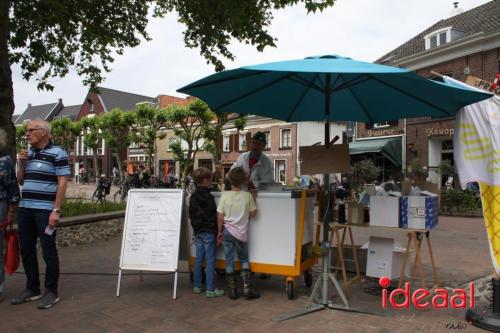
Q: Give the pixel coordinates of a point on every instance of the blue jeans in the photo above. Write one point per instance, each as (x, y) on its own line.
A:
(232, 245)
(205, 248)
(31, 225)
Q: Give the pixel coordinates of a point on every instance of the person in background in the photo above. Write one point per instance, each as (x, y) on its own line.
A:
(255, 163)
(44, 172)
(234, 211)
(9, 198)
(203, 216)
(115, 174)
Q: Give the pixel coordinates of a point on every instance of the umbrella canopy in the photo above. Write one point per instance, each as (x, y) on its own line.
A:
(330, 88)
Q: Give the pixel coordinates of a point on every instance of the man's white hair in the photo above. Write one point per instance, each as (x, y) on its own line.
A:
(43, 124)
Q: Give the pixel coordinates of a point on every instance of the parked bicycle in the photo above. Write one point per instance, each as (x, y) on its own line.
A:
(103, 189)
(116, 181)
(121, 194)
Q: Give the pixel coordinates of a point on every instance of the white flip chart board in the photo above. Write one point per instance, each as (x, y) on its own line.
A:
(151, 230)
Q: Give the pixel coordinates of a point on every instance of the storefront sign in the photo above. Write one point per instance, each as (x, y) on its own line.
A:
(439, 131)
(136, 151)
(384, 132)
(482, 84)
(278, 155)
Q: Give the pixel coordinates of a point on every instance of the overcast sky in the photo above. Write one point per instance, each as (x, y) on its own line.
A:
(360, 29)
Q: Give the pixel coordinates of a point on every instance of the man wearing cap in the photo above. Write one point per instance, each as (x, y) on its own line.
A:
(256, 164)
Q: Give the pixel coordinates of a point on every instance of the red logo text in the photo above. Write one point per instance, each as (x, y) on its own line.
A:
(422, 298)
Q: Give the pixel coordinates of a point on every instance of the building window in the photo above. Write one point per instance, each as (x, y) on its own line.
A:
(438, 38)
(390, 123)
(279, 171)
(286, 138)
(205, 163)
(268, 140)
(442, 38)
(167, 168)
(434, 42)
(225, 143)
(242, 142)
(447, 146)
(170, 141)
(381, 125)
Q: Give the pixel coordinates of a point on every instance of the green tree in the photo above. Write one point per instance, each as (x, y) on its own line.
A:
(368, 170)
(92, 138)
(416, 168)
(47, 39)
(149, 120)
(65, 131)
(115, 128)
(21, 142)
(188, 124)
(213, 131)
(446, 168)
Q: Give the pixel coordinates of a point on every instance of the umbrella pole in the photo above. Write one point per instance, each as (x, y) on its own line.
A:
(326, 220)
(326, 217)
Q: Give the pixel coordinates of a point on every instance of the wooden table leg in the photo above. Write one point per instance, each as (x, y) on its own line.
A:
(416, 245)
(337, 264)
(354, 253)
(342, 263)
(433, 264)
(405, 260)
(418, 259)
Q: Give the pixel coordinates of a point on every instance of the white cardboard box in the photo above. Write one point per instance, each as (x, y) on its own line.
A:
(419, 212)
(384, 259)
(384, 211)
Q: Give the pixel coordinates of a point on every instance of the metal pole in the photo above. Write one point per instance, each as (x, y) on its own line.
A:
(326, 181)
(119, 282)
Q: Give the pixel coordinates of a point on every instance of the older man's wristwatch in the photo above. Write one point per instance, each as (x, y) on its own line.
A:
(56, 210)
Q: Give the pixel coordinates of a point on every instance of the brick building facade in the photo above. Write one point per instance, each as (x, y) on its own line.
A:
(281, 145)
(463, 45)
(96, 104)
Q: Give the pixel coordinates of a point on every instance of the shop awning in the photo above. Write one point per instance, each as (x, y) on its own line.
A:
(389, 147)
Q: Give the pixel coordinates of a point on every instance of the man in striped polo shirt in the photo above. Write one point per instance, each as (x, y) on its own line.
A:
(44, 172)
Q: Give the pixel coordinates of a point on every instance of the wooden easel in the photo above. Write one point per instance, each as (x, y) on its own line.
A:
(340, 265)
(416, 238)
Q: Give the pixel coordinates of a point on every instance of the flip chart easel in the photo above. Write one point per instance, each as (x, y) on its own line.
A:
(151, 232)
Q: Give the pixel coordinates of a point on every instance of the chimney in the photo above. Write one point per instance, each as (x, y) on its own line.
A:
(60, 101)
(29, 105)
(456, 10)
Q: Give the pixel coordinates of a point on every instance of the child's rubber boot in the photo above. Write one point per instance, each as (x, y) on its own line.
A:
(232, 292)
(248, 290)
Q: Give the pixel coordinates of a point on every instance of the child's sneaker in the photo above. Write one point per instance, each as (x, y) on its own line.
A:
(197, 290)
(215, 293)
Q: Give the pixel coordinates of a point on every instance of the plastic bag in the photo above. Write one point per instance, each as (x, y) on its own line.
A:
(11, 259)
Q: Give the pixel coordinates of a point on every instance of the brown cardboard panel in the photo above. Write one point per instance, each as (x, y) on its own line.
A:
(319, 159)
(482, 84)
(428, 186)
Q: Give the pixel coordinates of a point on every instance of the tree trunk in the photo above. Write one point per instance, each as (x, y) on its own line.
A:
(97, 172)
(119, 163)
(6, 90)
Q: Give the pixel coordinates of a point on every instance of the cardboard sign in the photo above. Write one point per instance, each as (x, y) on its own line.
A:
(482, 84)
(319, 159)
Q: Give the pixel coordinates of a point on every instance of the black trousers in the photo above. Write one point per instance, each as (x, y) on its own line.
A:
(31, 225)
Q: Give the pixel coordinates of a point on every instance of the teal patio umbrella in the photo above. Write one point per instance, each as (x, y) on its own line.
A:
(329, 88)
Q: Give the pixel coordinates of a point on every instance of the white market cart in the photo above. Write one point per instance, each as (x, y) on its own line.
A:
(280, 239)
